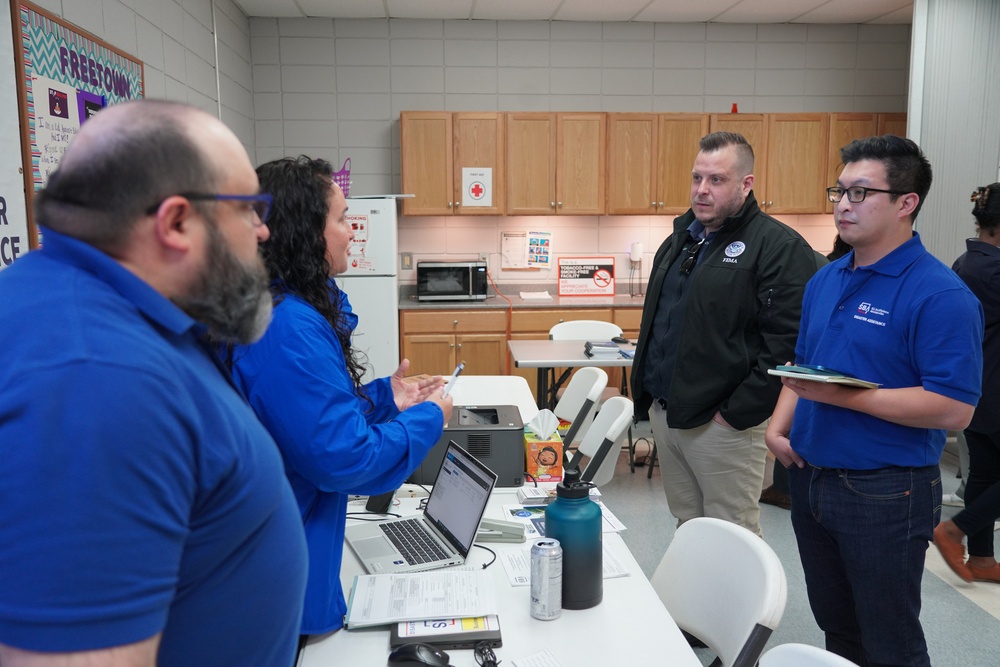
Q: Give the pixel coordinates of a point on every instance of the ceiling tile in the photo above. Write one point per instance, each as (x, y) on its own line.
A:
(599, 10)
(516, 10)
(269, 7)
(430, 9)
(343, 9)
(860, 11)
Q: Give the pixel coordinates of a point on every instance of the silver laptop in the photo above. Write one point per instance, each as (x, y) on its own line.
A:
(443, 534)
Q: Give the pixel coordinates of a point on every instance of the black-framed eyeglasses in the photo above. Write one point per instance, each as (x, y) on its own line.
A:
(260, 203)
(855, 194)
(687, 266)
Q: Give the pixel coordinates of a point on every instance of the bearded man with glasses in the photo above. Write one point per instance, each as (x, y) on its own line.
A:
(863, 463)
(722, 306)
(144, 512)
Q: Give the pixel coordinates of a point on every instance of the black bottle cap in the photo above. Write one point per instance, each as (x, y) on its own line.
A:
(571, 486)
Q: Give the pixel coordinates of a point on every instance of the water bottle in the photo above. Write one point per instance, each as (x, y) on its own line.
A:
(575, 520)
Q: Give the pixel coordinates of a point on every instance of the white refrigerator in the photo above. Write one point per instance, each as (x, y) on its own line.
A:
(370, 282)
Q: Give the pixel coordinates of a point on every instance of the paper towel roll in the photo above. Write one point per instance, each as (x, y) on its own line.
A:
(635, 254)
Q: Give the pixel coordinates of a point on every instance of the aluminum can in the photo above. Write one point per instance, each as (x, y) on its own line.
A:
(546, 579)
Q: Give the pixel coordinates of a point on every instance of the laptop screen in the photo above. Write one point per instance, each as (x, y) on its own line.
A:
(459, 497)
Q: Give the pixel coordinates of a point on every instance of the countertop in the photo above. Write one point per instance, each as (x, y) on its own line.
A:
(408, 301)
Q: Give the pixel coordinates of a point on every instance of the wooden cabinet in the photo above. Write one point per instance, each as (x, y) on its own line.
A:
(796, 163)
(649, 161)
(436, 340)
(846, 127)
(632, 163)
(435, 146)
(677, 147)
(790, 158)
(555, 163)
(891, 123)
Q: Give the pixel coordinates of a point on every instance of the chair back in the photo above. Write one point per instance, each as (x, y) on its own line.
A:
(602, 441)
(579, 400)
(724, 585)
(802, 655)
(584, 330)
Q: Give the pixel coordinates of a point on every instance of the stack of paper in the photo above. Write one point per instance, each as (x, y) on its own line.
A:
(601, 348)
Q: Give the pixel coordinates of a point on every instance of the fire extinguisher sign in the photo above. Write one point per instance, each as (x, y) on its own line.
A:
(586, 276)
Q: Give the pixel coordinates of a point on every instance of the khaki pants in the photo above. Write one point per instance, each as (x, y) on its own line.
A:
(711, 470)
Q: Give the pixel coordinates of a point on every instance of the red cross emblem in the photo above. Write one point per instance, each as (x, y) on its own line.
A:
(477, 190)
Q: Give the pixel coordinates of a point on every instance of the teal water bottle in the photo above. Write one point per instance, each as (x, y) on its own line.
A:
(575, 520)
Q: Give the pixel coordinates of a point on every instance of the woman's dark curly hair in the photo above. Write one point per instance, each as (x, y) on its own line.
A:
(986, 210)
(295, 254)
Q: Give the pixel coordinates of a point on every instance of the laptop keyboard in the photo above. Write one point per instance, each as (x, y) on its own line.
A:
(411, 538)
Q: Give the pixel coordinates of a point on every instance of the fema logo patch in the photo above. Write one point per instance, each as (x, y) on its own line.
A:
(735, 249)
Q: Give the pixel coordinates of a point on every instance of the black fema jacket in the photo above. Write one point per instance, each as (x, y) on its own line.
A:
(741, 318)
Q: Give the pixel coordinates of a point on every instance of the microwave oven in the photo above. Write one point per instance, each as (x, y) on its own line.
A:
(451, 281)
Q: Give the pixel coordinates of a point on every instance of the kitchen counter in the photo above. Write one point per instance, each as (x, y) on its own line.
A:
(408, 301)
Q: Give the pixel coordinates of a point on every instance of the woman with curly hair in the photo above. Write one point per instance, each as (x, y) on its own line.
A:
(337, 436)
(979, 267)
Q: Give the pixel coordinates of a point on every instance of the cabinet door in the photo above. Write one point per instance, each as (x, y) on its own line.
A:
(483, 354)
(425, 140)
(631, 163)
(479, 143)
(844, 128)
(531, 163)
(677, 143)
(892, 123)
(433, 354)
(581, 150)
(753, 126)
(797, 147)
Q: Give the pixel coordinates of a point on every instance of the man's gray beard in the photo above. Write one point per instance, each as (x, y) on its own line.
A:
(229, 297)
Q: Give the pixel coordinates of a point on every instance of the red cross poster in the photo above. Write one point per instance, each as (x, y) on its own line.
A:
(586, 276)
(477, 186)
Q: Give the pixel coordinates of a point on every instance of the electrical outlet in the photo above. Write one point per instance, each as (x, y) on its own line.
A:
(406, 261)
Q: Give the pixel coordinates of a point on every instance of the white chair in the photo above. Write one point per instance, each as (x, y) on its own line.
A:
(579, 402)
(724, 585)
(602, 441)
(592, 330)
(802, 655)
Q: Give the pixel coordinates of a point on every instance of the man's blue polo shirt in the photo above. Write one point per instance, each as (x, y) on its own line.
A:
(138, 492)
(905, 321)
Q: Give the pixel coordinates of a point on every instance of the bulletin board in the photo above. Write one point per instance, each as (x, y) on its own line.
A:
(64, 76)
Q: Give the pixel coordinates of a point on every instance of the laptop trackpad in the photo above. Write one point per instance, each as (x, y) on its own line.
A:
(375, 547)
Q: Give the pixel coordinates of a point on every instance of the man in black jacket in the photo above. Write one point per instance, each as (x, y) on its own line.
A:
(722, 306)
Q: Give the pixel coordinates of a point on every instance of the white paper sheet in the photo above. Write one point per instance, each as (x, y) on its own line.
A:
(379, 599)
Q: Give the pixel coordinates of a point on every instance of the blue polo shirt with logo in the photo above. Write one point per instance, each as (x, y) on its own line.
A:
(905, 321)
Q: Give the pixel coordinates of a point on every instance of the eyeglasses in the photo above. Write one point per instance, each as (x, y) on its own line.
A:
(260, 203)
(687, 266)
(855, 194)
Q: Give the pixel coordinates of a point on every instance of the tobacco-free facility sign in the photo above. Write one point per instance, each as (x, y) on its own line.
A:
(586, 276)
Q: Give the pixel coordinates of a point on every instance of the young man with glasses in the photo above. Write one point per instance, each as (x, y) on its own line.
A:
(144, 513)
(863, 463)
(722, 306)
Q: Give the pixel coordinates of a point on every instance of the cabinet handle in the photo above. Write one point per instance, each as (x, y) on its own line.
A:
(770, 203)
(552, 204)
(561, 321)
(652, 203)
(452, 345)
(460, 346)
(455, 323)
(660, 204)
(560, 204)
(449, 204)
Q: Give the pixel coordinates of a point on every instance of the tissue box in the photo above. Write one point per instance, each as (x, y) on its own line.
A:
(543, 458)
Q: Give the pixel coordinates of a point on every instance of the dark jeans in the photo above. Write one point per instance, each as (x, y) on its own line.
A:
(982, 493)
(862, 537)
(780, 479)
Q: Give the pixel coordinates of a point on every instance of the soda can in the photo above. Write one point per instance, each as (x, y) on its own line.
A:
(546, 579)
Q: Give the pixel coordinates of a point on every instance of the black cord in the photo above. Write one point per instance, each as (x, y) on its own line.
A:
(491, 551)
(485, 655)
(529, 476)
(370, 516)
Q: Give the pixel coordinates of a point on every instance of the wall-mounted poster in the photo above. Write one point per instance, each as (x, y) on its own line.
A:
(13, 216)
(65, 76)
(586, 276)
